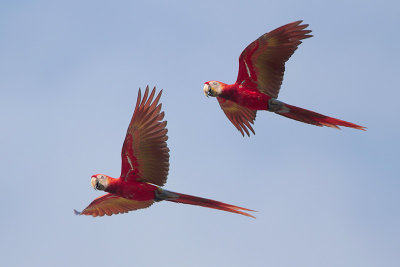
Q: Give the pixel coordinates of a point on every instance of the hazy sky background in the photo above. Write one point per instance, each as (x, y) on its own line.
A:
(69, 76)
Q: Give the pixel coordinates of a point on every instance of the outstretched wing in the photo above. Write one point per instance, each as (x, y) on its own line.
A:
(110, 204)
(262, 63)
(240, 116)
(145, 155)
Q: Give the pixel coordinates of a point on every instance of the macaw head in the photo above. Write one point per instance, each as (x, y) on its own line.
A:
(99, 181)
(212, 88)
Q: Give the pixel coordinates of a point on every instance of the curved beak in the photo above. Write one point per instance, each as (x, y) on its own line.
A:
(93, 182)
(206, 89)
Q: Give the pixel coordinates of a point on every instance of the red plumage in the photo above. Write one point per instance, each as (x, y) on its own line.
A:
(261, 70)
(145, 166)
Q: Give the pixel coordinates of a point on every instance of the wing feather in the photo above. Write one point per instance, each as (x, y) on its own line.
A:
(110, 204)
(262, 63)
(145, 154)
(241, 117)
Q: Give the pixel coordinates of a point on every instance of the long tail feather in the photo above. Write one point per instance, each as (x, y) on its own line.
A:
(314, 118)
(204, 202)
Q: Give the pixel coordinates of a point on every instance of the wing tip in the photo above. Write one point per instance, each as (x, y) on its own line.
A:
(77, 212)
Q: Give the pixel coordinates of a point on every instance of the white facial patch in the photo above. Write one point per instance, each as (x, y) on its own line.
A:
(216, 86)
(101, 180)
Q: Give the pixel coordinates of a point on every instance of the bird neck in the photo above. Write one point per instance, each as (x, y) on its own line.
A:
(114, 185)
(227, 90)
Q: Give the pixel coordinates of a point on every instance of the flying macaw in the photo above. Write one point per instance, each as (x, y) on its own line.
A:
(145, 165)
(261, 68)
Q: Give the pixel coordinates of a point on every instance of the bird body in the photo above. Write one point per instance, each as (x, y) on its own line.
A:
(244, 96)
(145, 166)
(261, 70)
(130, 189)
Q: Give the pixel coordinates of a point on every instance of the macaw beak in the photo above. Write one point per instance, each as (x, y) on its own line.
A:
(93, 182)
(206, 89)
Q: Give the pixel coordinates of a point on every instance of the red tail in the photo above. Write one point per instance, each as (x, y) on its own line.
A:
(204, 202)
(314, 118)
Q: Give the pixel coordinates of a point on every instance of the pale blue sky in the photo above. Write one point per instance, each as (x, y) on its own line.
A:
(69, 75)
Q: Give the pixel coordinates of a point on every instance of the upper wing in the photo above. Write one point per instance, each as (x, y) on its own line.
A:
(145, 155)
(238, 115)
(110, 204)
(262, 63)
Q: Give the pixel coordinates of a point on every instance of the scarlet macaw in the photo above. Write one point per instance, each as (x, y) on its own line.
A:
(261, 68)
(145, 165)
